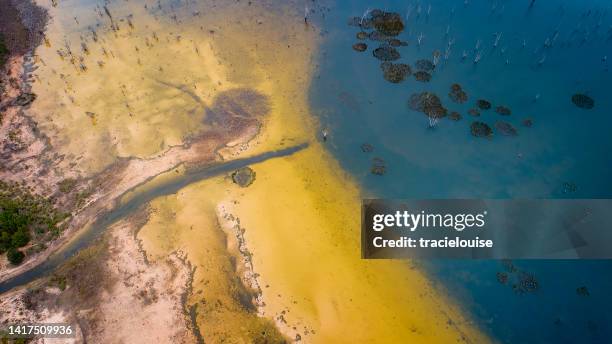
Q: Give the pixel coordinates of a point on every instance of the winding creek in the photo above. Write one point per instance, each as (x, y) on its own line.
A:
(167, 187)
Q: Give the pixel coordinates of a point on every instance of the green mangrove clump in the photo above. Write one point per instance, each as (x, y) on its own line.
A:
(25, 217)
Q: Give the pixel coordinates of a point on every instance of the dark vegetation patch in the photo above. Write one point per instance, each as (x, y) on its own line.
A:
(422, 76)
(503, 110)
(583, 101)
(24, 99)
(505, 128)
(15, 256)
(457, 94)
(502, 277)
(395, 72)
(378, 36)
(527, 283)
(360, 47)
(427, 103)
(394, 42)
(481, 129)
(237, 108)
(483, 104)
(386, 53)
(67, 185)
(25, 218)
(388, 23)
(455, 116)
(583, 291)
(569, 187)
(241, 102)
(367, 148)
(425, 65)
(244, 176)
(520, 281)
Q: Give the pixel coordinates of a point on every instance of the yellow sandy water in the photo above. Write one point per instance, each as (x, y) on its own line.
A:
(301, 215)
(124, 95)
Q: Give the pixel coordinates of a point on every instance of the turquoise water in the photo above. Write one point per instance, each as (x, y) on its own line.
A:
(544, 55)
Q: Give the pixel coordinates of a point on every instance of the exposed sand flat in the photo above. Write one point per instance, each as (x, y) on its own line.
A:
(145, 304)
(220, 301)
(112, 294)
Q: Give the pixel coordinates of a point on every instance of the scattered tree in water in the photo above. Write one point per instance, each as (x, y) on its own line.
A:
(377, 36)
(395, 72)
(583, 291)
(367, 148)
(360, 47)
(474, 112)
(483, 104)
(388, 23)
(427, 103)
(422, 76)
(527, 283)
(425, 65)
(481, 129)
(569, 187)
(502, 277)
(386, 53)
(394, 42)
(503, 110)
(454, 115)
(521, 282)
(583, 101)
(457, 94)
(505, 128)
(362, 35)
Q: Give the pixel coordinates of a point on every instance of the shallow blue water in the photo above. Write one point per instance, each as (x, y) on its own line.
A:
(565, 146)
